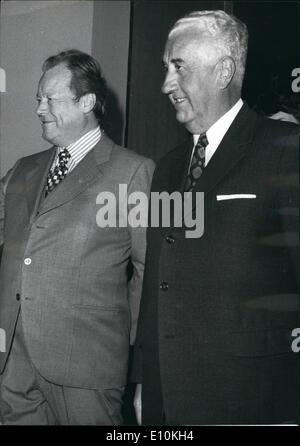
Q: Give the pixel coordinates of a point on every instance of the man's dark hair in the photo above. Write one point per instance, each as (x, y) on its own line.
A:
(86, 77)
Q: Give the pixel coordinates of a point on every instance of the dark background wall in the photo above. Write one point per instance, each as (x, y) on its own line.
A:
(110, 45)
(274, 48)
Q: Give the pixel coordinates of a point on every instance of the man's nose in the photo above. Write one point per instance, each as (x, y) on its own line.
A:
(42, 107)
(170, 83)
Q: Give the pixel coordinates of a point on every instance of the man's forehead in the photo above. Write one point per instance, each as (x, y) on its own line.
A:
(184, 44)
(56, 78)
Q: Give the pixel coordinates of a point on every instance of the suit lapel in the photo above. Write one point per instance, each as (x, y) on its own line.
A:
(179, 167)
(35, 179)
(174, 178)
(81, 176)
(235, 145)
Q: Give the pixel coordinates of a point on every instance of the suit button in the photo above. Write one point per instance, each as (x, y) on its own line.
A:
(163, 286)
(170, 239)
(27, 261)
(18, 297)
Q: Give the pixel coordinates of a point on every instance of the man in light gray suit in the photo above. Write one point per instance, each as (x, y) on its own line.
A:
(67, 308)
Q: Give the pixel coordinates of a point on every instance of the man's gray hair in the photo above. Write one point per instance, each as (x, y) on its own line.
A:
(230, 35)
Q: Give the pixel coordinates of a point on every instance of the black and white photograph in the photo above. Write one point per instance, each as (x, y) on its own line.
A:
(149, 215)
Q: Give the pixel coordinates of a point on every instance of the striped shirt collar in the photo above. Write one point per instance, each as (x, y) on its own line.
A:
(82, 146)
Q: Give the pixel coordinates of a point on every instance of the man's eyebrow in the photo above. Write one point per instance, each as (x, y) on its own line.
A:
(178, 60)
(173, 61)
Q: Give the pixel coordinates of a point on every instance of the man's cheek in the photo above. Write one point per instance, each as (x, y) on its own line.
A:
(60, 119)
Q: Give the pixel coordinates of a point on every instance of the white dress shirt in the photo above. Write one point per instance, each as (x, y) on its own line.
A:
(217, 131)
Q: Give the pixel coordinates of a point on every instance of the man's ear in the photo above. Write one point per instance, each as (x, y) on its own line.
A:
(87, 102)
(226, 68)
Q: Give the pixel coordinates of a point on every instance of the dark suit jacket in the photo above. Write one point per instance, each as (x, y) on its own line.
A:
(214, 340)
(68, 275)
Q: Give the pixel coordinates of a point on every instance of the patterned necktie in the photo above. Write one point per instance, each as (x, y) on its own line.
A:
(59, 172)
(197, 164)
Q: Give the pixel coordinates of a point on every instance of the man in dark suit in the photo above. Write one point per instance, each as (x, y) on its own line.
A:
(66, 307)
(217, 312)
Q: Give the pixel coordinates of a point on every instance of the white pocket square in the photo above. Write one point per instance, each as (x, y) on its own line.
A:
(234, 196)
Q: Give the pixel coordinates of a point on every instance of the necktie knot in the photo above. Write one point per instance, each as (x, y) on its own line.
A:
(202, 140)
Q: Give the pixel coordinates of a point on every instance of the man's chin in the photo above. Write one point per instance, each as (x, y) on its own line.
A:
(48, 137)
(181, 117)
(190, 123)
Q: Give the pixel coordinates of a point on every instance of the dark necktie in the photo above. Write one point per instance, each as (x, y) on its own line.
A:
(197, 164)
(59, 172)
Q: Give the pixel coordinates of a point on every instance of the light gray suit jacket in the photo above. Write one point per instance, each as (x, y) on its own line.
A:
(68, 275)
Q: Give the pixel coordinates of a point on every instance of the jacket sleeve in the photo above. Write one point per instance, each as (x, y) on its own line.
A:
(3, 186)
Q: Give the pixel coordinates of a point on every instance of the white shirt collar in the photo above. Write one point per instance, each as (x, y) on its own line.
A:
(217, 131)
